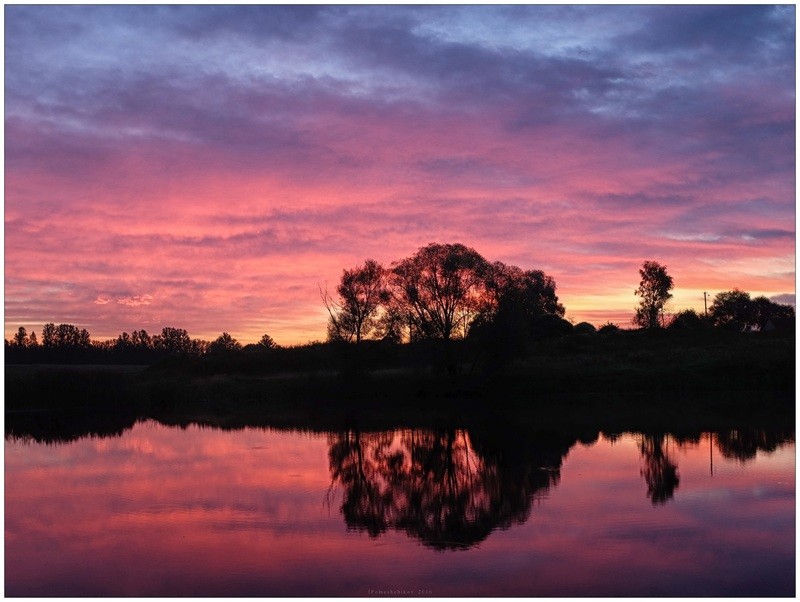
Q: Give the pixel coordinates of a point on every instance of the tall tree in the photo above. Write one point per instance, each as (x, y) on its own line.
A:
(361, 291)
(765, 310)
(21, 337)
(267, 342)
(654, 289)
(49, 335)
(441, 289)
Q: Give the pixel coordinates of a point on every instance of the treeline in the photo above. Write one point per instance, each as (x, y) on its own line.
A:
(449, 291)
(441, 294)
(734, 310)
(69, 344)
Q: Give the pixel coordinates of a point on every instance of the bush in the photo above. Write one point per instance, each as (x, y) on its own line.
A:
(585, 328)
(688, 319)
(608, 328)
(550, 326)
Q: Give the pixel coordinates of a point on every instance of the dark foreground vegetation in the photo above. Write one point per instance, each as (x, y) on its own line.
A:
(617, 378)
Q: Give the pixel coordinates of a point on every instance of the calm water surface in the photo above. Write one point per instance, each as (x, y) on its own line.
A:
(199, 511)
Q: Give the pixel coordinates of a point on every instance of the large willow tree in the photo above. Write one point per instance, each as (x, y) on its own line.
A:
(441, 289)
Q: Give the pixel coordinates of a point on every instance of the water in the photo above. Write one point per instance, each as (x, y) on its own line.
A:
(170, 511)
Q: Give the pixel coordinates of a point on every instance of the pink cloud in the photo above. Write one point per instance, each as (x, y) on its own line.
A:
(136, 300)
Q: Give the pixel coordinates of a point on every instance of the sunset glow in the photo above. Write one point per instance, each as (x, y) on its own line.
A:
(207, 167)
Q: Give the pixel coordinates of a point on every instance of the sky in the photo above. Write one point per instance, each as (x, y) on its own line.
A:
(210, 167)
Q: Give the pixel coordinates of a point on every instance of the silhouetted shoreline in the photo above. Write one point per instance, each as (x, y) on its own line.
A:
(628, 380)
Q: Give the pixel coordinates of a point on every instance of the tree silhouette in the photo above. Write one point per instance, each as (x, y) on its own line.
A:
(608, 328)
(173, 340)
(733, 309)
(529, 293)
(654, 290)
(224, 343)
(687, 319)
(49, 335)
(266, 342)
(21, 337)
(361, 291)
(201, 347)
(141, 340)
(766, 310)
(123, 341)
(518, 300)
(65, 336)
(441, 289)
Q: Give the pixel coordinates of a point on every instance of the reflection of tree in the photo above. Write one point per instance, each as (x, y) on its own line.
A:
(65, 426)
(743, 444)
(363, 504)
(438, 486)
(659, 471)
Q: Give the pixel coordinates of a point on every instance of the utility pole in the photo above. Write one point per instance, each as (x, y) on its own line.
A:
(705, 303)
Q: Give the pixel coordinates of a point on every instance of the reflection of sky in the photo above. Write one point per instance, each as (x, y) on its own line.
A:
(207, 512)
(207, 167)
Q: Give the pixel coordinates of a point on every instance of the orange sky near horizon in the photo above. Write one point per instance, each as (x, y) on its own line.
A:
(210, 167)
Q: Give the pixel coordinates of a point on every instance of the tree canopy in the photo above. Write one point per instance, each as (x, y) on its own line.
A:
(441, 289)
